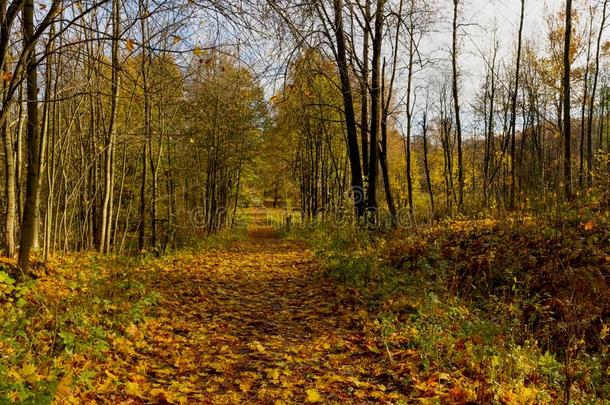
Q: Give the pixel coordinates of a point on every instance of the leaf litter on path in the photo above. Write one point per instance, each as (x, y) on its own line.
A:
(255, 322)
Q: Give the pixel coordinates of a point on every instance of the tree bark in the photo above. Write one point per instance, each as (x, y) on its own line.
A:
(348, 103)
(456, 104)
(364, 114)
(426, 164)
(567, 123)
(33, 144)
(513, 119)
(11, 199)
(106, 227)
(376, 109)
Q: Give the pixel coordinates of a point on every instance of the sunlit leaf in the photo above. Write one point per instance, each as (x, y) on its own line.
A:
(313, 396)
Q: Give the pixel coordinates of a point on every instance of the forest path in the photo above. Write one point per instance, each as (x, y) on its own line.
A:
(255, 322)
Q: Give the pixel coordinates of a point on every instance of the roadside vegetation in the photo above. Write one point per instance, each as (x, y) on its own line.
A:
(513, 311)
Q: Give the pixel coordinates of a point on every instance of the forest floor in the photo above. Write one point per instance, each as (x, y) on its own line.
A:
(251, 321)
(341, 318)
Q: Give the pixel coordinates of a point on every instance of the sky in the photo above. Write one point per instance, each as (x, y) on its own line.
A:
(476, 37)
(503, 14)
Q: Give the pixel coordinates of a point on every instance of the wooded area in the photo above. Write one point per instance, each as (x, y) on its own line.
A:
(427, 167)
(123, 130)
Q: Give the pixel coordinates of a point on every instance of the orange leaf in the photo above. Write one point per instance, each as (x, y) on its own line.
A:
(130, 45)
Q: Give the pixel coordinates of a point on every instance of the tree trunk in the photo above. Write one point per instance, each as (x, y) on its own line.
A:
(567, 129)
(383, 160)
(147, 127)
(491, 133)
(513, 119)
(426, 164)
(456, 104)
(33, 144)
(376, 109)
(592, 99)
(11, 199)
(407, 139)
(106, 227)
(10, 176)
(583, 109)
(348, 102)
(364, 114)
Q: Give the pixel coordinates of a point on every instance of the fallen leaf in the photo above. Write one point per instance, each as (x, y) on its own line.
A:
(63, 387)
(133, 389)
(312, 396)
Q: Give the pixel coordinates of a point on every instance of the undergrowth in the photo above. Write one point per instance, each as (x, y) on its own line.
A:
(59, 329)
(76, 309)
(511, 311)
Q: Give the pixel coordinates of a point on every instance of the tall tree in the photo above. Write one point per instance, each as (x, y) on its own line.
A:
(147, 118)
(376, 106)
(583, 105)
(30, 216)
(513, 119)
(411, 50)
(106, 226)
(490, 124)
(8, 143)
(424, 127)
(348, 105)
(593, 94)
(456, 102)
(388, 95)
(567, 123)
(364, 89)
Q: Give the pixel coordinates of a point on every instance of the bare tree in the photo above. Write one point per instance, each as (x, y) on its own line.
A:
(456, 102)
(596, 72)
(513, 119)
(567, 123)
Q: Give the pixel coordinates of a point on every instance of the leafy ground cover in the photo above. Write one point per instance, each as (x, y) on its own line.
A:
(511, 311)
(463, 312)
(251, 321)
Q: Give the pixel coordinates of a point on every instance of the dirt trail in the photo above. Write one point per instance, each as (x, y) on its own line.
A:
(255, 322)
